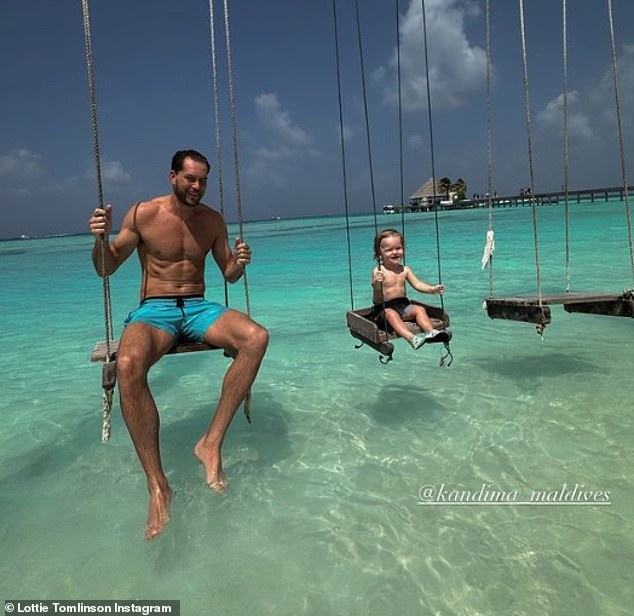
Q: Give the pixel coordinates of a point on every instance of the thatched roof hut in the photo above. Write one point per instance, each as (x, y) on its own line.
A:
(425, 196)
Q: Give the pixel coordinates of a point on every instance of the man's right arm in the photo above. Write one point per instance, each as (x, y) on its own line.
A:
(115, 253)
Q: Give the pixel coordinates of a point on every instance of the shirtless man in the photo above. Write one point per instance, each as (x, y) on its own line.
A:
(172, 235)
(389, 279)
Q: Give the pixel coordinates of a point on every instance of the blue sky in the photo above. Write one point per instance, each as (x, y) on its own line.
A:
(154, 96)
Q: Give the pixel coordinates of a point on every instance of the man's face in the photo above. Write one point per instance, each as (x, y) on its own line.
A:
(190, 183)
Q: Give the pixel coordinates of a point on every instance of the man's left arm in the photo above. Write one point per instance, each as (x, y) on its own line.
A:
(230, 264)
(240, 258)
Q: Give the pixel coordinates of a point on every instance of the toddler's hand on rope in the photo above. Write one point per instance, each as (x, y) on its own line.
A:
(101, 221)
(378, 276)
(241, 253)
(439, 289)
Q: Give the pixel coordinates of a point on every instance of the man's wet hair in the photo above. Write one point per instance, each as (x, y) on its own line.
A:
(179, 158)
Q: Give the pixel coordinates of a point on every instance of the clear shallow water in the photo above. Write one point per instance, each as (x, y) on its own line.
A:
(323, 516)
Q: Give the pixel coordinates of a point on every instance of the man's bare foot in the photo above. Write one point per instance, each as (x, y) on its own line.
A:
(210, 459)
(158, 513)
(219, 484)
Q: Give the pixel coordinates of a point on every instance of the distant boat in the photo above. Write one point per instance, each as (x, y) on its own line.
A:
(25, 237)
(390, 209)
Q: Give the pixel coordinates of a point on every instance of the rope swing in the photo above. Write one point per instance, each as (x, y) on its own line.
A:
(109, 370)
(361, 322)
(536, 309)
(236, 164)
(106, 351)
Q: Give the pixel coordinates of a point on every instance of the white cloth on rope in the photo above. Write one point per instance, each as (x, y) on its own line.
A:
(489, 249)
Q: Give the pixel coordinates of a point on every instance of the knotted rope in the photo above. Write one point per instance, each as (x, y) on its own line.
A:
(234, 139)
(109, 374)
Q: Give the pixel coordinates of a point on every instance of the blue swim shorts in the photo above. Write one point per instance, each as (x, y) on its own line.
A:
(185, 318)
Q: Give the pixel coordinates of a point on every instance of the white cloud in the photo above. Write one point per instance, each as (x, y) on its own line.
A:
(271, 154)
(456, 68)
(592, 128)
(592, 112)
(416, 141)
(113, 171)
(278, 121)
(551, 118)
(21, 166)
(603, 96)
(24, 166)
(348, 133)
(286, 142)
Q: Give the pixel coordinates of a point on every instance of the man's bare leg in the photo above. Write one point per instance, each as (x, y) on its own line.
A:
(141, 346)
(237, 331)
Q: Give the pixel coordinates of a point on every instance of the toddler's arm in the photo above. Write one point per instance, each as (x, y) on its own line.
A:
(422, 286)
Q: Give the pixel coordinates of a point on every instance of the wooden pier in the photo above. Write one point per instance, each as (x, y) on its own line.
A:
(586, 195)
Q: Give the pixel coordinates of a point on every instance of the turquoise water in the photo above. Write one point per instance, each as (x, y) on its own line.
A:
(323, 516)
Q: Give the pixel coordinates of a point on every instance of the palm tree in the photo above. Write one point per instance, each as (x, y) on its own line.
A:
(460, 189)
(444, 184)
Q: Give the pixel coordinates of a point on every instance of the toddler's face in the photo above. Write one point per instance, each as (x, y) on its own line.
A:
(391, 249)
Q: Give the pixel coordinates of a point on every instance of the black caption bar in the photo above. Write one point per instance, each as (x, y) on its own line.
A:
(132, 607)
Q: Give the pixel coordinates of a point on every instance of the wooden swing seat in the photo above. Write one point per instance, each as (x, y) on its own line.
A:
(99, 350)
(528, 309)
(368, 332)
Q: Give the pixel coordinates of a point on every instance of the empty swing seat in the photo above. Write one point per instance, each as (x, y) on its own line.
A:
(529, 310)
(363, 328)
